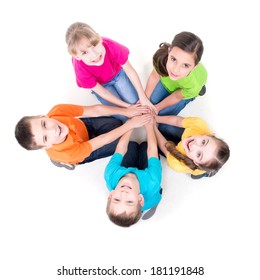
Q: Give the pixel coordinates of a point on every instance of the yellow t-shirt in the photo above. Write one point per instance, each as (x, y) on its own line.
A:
(76, 147)
(193, 126)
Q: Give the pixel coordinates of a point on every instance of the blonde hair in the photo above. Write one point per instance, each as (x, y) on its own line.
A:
(78, 31)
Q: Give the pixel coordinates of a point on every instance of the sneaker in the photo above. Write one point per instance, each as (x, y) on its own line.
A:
(202, 91)
(198, 176)
(149, 213)
(207, 174)
(211, 174)
(65, 165)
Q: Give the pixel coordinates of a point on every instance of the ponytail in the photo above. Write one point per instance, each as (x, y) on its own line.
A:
(160, 59)
(171, 148)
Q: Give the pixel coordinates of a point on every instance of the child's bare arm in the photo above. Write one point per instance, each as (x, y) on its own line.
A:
(152, 81)
(172, 99)
(112, 135)
(171, 120)
(134, 78)
(161, 140)
(152, 149)
(122, 145)
(104, 110)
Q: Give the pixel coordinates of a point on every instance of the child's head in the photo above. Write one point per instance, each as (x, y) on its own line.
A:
(39, 132)
(85, 44)
(205, 152)
(178, 59)
(124, 206)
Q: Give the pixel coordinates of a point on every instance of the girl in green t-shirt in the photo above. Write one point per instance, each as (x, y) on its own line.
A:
(178, 76)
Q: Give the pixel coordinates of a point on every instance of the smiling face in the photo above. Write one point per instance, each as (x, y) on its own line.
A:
(126, 196)
(200, 148)
(92, 55)
(179, 63)
(48, 131)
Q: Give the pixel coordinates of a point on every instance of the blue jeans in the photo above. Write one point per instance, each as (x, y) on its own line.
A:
(97, 126)
(122, 88)
(157, 96)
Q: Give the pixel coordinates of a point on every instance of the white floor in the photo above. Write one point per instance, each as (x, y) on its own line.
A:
(52, 217)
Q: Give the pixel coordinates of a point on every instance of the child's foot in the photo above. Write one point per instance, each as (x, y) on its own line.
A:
(207, 174)
(198, 176)
(149, 213)
(65, 165)
(203, 91)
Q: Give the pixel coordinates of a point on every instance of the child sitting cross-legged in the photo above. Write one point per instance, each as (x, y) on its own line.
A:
(73, 134)
(133, 176)
(192, 147)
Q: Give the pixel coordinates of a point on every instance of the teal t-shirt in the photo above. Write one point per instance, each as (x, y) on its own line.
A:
(190, 85)
(149, 179)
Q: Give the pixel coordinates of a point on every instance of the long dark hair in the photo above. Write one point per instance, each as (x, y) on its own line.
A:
(186, 41)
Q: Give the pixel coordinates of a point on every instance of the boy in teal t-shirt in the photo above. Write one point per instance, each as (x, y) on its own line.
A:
(133, 176)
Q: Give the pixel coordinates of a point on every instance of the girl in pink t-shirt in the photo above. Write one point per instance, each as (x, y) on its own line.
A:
(102, 65)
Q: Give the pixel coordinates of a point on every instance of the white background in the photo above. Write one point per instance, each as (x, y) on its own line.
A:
(52, 217)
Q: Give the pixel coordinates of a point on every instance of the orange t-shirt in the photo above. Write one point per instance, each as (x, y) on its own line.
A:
(76, 147)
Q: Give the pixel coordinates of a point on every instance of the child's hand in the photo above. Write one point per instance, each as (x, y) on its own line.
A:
(141, 120)
(147, 102)
(136, 110)
(152, 121)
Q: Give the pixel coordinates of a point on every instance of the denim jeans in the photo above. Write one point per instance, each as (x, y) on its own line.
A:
(136, 156)
(157, 96)
(122, 88)
(97, 126)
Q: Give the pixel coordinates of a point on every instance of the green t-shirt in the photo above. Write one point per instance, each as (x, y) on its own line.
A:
(190, 85)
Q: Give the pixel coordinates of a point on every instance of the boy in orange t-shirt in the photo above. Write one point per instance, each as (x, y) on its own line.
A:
(74, 134)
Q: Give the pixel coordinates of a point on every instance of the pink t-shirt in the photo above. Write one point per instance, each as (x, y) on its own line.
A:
(88, 76)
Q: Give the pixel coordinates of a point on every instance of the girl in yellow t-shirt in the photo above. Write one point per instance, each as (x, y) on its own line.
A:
(198, 152)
